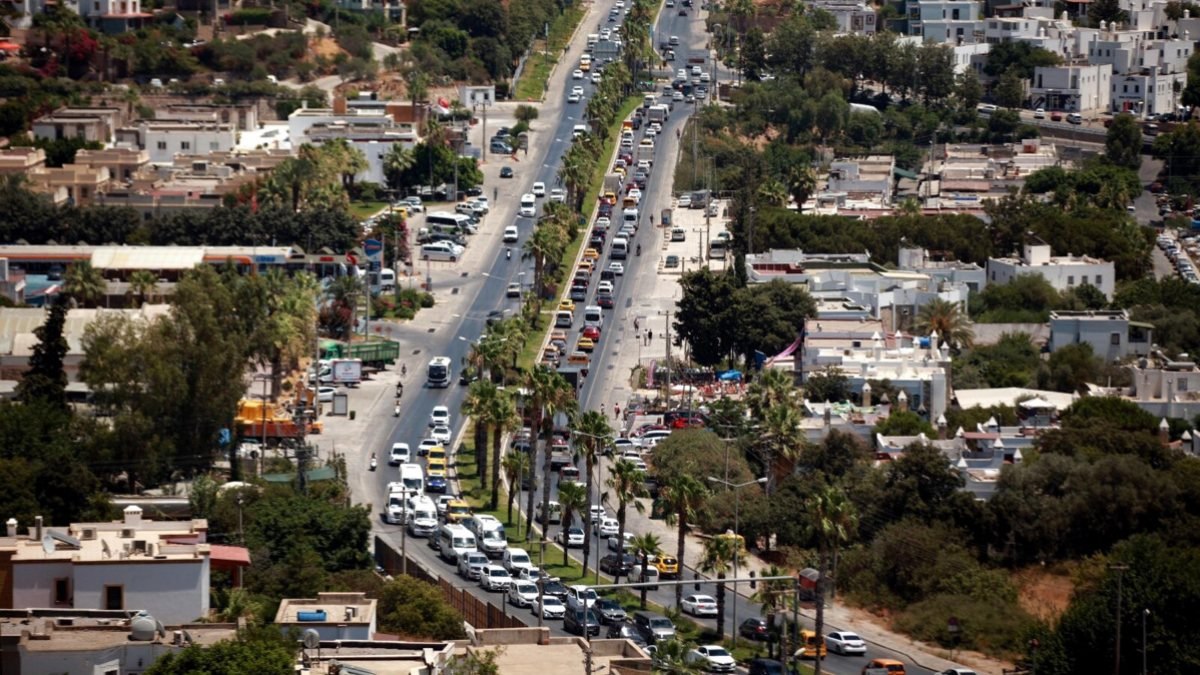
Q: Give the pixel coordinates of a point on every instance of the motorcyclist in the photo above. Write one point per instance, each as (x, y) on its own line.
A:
(639, 250)
(508, 253)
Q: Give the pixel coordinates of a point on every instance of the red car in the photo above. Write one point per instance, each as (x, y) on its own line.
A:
(591, 332)
(687, 423)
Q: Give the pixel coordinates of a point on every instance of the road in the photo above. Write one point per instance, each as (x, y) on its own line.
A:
(486, 272)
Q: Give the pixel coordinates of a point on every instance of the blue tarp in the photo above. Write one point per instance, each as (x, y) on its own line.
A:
(730, 376)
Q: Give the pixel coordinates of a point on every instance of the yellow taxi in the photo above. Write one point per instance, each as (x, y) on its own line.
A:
(668, 567)
(566, 305)
(435, 467)
(591, 254)
(586, 266)
(578, 358)
(437, 453)
(812, 645)
(585, 345)
(457, 511)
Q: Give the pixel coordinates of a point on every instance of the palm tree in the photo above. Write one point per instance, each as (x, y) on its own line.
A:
(85, 284)
(396, 162)
(549, 393)
(682, 495)
(782, 440)
(947, 318)
(143, 284)
(832, 520)
(801, 183)
(773, 192)
(515, 464)
(344, 294)
(628, 483)
(646, 545)
(774, 596)
(594, 435)
(479, 399)
(502, 417)
(573, 498)
(772, 387)
(719, 554)
(418, 88)
(671, 658)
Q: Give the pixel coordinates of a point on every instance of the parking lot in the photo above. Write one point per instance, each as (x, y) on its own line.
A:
(686, 240)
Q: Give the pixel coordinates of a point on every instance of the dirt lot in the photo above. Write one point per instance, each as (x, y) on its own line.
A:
(1044, 592)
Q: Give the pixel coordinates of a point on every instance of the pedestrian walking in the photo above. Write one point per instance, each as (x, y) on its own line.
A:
(617, 410)
(635, 324)
(649, 336)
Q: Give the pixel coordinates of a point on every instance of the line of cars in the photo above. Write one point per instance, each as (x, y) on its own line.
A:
(1180, 254)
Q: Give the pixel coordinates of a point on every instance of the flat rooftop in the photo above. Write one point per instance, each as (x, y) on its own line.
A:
(334, 605)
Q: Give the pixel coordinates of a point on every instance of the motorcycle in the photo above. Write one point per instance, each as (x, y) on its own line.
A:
(373, 462)
(508, 253)
(396, 412)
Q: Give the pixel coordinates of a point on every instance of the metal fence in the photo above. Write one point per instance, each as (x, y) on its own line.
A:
(478, 613)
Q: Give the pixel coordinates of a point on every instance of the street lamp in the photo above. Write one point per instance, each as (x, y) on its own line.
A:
(737, 498)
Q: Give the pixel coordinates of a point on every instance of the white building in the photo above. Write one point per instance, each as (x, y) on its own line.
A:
(913, 259)
(866, 178)
(1075, 87)
(1165, 388)
(335, 616)
(160, 567)
(945, 21)
(1062, 272)
(368, 125)
(1112, 335)
(164, 140)
(853, 17)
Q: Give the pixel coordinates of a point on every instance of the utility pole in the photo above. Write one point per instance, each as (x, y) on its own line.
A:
(667, 336)
(1120, 570)
(750, 232)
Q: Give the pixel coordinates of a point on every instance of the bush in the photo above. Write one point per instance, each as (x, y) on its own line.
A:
(987, 626)
(255, 16)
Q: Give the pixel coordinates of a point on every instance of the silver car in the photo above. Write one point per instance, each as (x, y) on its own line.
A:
(471, 565)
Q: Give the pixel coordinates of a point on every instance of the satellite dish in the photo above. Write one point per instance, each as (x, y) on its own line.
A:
(162, 630)
(312, 639)
(47, 543)
(187, 637)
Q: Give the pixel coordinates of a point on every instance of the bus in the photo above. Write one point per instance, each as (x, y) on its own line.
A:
(439, 372)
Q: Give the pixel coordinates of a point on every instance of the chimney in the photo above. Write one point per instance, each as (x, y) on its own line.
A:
(941, 427)
(12, 527)
(339, 105)
(1164, 432)
(866, 395)
(37, 528)
(133, 515)
(902, 401)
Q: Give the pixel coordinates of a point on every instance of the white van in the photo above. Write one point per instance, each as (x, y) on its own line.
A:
(528, 206)
(592, 39)
(592, 316)
(516, 559)
(455, 540)
(620, 249)
(563, 319)
(492, 542)
(442, 250)
(449, 223)
(412, 477)
(422, 516)
(630, 215)
(578, 130)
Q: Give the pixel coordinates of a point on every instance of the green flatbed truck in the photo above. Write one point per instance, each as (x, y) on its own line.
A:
(375, 353)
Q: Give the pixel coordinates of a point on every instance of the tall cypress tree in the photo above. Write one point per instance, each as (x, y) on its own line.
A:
(46, 380)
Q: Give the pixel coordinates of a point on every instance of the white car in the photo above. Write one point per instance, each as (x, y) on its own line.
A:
(426, 445)
(617, 268)
(539, 189)
(621, 444)
(412, 204)
(715, 658)
(677, 96)
(511, 234)
(551, 607)
(580, 597)
(400, 454)
(651, 132)
(612, 542)
(596, 514)
(699, 605)
(577, 90)
(635, 194)
(577, 74)
(844, 642)
(443, 503)
(441, 434)
(558, 195)
(595, 78)
(605, 286)
(602, 224)
(440, 416)
(574, 98)
(523, 593)
(514, 290)
(607, 527)
(495, 578)
(470, 565)
(325, 394)
(572, 537)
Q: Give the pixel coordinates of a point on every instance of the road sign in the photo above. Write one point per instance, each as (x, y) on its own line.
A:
(373, 248)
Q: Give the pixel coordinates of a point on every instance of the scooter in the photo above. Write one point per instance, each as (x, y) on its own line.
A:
(396, 412)
(373, 462)
(639, 250)
(507, 253)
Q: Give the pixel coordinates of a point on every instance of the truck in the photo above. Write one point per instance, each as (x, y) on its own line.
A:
(658, 113)
(266, 420)
(645, 151)
(346, 371)
(612, 183)
(373, 352)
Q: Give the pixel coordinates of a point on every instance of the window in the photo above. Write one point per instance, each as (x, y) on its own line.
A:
(954, 15)
(62, 591)
(185, 145)
(1181, 384)
(1071, 280)
(162, 145)
(1114, 339)
(114, 597)
(1098, 278)
(213, 145)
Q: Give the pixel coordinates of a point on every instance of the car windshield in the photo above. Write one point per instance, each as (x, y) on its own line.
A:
(717, 651)
(498, 572)
(551, 600)
(850, 636)
(519, 559)
(661, 623)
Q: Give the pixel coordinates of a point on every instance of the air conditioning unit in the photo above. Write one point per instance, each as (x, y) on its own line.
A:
(127, 533)
(88, 534)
